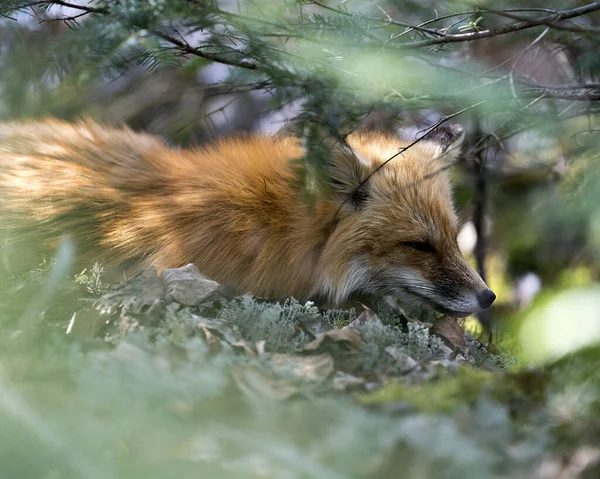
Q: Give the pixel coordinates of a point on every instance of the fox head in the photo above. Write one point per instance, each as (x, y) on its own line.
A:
(396, 233)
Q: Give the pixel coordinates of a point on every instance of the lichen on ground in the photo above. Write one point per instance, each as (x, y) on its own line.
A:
(241, 387)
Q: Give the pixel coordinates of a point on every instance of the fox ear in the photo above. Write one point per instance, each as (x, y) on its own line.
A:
(345, 167)
(449, 138)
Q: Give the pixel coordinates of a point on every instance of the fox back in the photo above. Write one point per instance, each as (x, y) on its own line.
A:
(234, 210)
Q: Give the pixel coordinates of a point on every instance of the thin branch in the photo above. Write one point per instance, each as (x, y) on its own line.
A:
(504, 29)
(236, 15)
(482, 145)
(460, 20)
(575, 86)
(187, 48)
(563, 93)
(570, 27)
(85, 8)
(587, 91)
(387, 21)
(430, 130)
(511, 75)
(433, 20)
(217, 89)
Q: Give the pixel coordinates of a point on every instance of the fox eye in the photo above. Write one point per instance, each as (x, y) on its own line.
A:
(359, 198)
(424, 246)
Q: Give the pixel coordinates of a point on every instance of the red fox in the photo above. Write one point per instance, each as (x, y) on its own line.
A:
(233, 210)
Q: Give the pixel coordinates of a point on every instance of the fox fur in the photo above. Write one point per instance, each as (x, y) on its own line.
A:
(234, 209)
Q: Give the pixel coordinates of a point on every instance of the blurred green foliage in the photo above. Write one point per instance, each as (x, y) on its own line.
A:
(161, 405)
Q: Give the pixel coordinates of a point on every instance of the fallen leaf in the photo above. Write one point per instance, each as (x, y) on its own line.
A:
(342, 344)
(314, 324)
(245, 347)
(315, 368)
(404, 362)
(223, 329)
(343, 381)
(142, 293)
(450, 331)
(187, 285)
(334, 339)
(213, 342)
(217, 331)
(253, 382)
(368, 315)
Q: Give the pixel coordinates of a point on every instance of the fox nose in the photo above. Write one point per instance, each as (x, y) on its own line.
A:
(486, 298)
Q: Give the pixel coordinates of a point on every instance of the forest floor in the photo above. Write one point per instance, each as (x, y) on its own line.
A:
(177, 376)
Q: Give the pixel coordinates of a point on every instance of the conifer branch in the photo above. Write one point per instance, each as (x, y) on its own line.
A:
(505, 29)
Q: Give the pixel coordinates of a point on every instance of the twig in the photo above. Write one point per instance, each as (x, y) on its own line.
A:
(460, 20)
(433, 20)
(588, 91)
(511, 75)
(402, 150)
(186, 47)
(571, 27)
(575, 93)
(387, 21)
(504, 29)
(85, 8)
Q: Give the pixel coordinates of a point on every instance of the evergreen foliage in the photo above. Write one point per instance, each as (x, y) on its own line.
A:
(157, 401)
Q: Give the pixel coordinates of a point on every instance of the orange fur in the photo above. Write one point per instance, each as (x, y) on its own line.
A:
(232, 209)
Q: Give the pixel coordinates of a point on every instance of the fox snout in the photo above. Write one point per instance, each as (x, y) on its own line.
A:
(479, 295)
(447, 296)
(456, 291)
(450, 286)
(482, 300)
(455, 288)
(486, 298)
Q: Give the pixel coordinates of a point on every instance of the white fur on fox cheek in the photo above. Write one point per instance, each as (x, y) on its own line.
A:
(416, 284)
(357, 278)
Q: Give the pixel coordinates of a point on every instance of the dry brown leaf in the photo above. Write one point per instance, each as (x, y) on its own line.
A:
(449, 330)
(187, 285)
(342, 344)
(404, 362)
(246, 348)
(314, 368)
(217, 331)
(223, 329)
(253, 382)
(314, 324)
(346, 336)
(139, 294)
(366, 316)
(343, 381)
(213, 342)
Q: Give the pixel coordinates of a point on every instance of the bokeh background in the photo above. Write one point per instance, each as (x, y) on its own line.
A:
(522, 77)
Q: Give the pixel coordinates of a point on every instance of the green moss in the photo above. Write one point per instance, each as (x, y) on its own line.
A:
(520, 392)
(447, 393)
